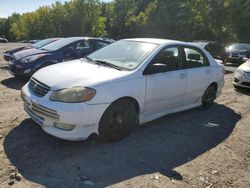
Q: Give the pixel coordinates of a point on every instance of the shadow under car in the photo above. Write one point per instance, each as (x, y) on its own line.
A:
(157, 146)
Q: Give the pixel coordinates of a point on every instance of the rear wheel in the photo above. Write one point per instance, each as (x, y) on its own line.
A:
(118, 120)
(209, 96)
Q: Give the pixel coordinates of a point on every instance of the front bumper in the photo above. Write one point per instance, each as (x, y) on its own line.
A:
(46, 113)
(241, 80)
(7, 56)
(18, 70)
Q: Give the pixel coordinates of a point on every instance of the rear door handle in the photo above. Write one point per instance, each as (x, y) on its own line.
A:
(182, 75)
(208, 71)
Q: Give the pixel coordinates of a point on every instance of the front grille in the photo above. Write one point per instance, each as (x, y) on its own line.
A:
(235, 55)
(38, 88)
(245, 83)
(44, 111)
(236, 80)
(39, 120)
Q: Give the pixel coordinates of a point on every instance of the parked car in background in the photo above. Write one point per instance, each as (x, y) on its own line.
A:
(242, 75)
(3, 40)
(39, 44)
(34, 41)
(238, 53)
(26, 62)
(30, 41)
(115, 88)
(216, 49)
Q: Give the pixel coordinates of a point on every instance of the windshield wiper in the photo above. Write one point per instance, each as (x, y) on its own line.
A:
(108, 64)
(101, 62)
(91, 60)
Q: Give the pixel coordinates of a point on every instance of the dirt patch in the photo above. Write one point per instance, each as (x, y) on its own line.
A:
(196, 148)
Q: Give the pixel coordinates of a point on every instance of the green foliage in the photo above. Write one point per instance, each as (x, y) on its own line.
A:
(222, 20)
(73, 18)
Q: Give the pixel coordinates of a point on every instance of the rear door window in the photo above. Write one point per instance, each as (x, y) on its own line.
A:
(100, 44)
(194, 58)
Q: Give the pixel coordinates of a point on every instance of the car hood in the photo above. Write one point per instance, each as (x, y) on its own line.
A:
(12, 51)
(77, 73)
(28, 52)
(236, 51)
(245, 66)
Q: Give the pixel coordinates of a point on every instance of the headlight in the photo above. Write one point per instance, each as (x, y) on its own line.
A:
(31, 58)
(73, 95)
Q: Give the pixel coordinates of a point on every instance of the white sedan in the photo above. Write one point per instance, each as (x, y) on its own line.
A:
(128, 83)
(242, 75)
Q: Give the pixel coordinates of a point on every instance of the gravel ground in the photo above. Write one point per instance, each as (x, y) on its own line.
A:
(196, 148)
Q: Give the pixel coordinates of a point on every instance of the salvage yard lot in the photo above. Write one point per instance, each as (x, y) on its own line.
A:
(196, 148)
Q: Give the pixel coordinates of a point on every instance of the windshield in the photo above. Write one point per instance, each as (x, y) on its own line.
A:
(240, 46)
(42, 43)
(58, 44)
(124, 54)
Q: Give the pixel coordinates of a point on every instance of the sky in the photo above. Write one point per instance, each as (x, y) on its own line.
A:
(7, 7)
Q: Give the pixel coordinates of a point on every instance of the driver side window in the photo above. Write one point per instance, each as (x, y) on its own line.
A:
(169, 57)
(81, 45)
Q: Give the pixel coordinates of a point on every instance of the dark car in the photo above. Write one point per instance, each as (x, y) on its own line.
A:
(238, 53)
(26, 62)
(38, 44)
(3, 40)
(216, 49)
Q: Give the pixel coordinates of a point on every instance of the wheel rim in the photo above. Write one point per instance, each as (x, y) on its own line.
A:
(119, 119)
(210, 95)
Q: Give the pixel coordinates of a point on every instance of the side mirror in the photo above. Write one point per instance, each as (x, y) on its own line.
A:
(156, 68)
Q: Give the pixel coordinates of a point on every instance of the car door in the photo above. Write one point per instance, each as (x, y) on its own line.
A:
(83, 48)
(69, 52)
(165, 81)
(198, 73)
(98, 44)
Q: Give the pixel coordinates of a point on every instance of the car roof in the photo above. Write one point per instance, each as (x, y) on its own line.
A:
(240, 44)
(81, 38)
(156, 41)
(202, 44)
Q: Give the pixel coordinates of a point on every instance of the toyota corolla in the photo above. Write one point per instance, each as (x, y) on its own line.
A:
(125, 84)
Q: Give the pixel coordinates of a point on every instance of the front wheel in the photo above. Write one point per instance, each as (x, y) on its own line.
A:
(209, 96)
(118, 120)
